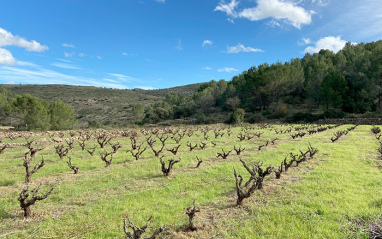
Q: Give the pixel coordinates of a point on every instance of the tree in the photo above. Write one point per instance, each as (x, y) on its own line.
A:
(61, 116)
(37, 117)
(333, 90)
(138, 112)
(31, 111)
(233, 103)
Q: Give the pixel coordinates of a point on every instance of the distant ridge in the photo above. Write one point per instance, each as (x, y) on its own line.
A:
(108, 106)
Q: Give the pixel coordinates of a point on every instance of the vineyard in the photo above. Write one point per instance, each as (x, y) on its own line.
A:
(212, 181)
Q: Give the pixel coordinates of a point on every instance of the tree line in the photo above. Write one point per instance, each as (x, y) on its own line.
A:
(26, 112)
(319, 85)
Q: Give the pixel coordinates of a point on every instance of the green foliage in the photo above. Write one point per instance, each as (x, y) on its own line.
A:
(37, 117)
(349, 81)
(238, 116)
(95, 124)
(333, 90)
(28, 112)
(138, 112)
(61, 116)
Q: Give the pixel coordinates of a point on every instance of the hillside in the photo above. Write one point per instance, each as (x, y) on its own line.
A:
(108, 106)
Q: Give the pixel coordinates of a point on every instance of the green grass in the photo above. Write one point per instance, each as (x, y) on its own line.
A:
(319, 199)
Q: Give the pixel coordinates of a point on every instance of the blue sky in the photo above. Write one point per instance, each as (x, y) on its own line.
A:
(153, 44)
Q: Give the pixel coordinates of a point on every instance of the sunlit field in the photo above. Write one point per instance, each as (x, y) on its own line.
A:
(334, 193)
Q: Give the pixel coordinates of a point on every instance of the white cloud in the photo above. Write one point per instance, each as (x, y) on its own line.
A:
(207, 43)
(207, 68)
(81, 55)
(145, 87)
(6, 57)
(231, 20)
(99, 57)
(65, 66)
(69, 54)
(160, 1)
(68, 45)
(7, 39)
(241, 48)
(179, 46)
(121, 77)
(229, 8)
(227, 69)
(277, 9)
(331, 43)
(305, 41)
(129, 54)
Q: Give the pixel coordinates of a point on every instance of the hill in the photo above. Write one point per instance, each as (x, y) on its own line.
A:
(108, 106)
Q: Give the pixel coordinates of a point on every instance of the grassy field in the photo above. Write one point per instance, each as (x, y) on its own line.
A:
(336, 194)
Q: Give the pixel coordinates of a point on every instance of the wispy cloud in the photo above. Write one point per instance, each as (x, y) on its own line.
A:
(65, 66)
(121, 77)
(179, 46)
(29, 73)
(357, 20)
(321, 3)
(160, 1)
(99, 57)
(227, 69)
(228, 8)
(285, 10)
(242, 48)
(81, 55)
(129, 54)
(68, 45)
(273, 23)
(305, 41)
(207, 68)
(69, 54)
(207, 43)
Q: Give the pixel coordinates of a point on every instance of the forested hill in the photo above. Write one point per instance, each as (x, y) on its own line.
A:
(319, 85)
(101, 105)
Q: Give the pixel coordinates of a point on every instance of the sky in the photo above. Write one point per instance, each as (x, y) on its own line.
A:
(154, 44)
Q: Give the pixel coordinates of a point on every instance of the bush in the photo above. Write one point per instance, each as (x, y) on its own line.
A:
(238, 116)
(95, 124)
